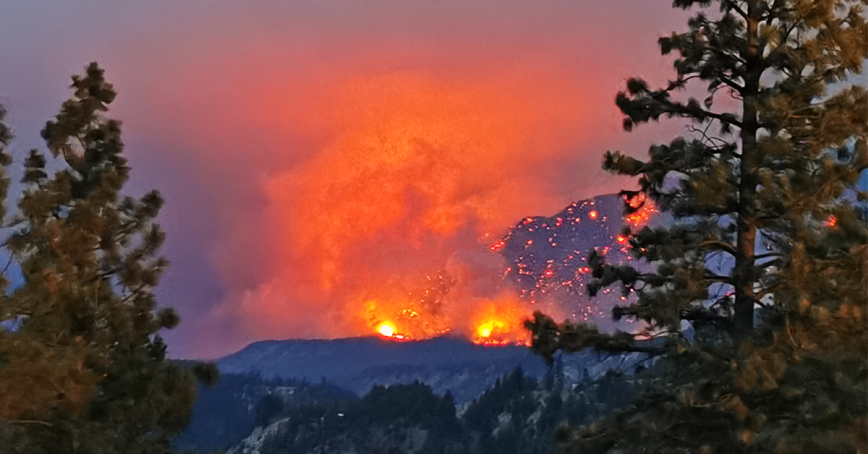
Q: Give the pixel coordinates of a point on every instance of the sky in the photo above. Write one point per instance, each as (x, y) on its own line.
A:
(321, 159)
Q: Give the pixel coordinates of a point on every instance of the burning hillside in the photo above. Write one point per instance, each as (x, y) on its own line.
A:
(548, 255)
(546, 267)
(394, 225)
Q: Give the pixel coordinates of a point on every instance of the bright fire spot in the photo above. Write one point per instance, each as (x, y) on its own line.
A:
(641, 216)
(500, 322)
(832, 221)
(487, 328)
(386, 330)
(498, 246)
(622, 238)
(592, 215)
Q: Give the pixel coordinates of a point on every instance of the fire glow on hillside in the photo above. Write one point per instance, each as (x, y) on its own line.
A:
(499, 321)
(494, 322)
(391, 227)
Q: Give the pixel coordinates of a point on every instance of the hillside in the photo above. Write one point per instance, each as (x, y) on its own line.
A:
(446, 364)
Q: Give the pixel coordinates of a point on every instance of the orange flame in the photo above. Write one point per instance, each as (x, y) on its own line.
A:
(500, 322)
(386, 329)
(640, 217)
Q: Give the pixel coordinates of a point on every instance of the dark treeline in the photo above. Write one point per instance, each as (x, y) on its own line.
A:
(519, 414)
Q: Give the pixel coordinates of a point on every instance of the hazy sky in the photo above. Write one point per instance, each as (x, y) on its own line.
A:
(314, 155)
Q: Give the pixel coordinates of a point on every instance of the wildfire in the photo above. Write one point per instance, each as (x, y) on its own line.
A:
(497, 246)
(410, 317)
(641, 216)
(500, 322)
(418, 310)
(486, 329)
(497, 321)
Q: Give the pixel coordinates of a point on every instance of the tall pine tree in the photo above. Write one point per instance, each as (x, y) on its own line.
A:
(85, 370)
(756, 308)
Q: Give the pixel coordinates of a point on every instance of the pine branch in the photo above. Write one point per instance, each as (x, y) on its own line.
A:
(731, 83)
(733, 5)
(711, 277)
(679, 82)
(28, 421)
(698, 113)
(718, 245)
(704, 315)
(768, 264)
(766, 291)
(712, 147)
(783, 44)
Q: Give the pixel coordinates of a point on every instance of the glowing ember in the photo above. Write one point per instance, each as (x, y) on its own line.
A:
(386, 330)
(622, 239)
(832, 221)
(641, 216)
(592, 215)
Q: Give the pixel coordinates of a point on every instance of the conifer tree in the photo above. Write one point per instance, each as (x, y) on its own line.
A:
(756, 305)
(85, 370)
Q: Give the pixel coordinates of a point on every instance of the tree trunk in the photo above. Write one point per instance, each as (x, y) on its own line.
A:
(743, 275)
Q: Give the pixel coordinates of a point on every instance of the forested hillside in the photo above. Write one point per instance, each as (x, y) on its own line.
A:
(518, 414)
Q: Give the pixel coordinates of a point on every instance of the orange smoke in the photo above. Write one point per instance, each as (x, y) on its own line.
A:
(389, 223)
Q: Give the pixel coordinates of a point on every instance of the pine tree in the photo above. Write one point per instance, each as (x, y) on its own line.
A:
(86, 370)
(756, 305)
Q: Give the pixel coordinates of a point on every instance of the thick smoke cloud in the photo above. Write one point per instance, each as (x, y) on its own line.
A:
(326, 163)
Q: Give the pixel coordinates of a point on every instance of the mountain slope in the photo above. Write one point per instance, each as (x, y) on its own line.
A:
(357, 364)
(546, 258)
(446, 364)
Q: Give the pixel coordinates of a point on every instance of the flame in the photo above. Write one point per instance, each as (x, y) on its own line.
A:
(486, 329)
(500, 321)
(640, 217)
(386, 329)
(497, 246)
(416, 320)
